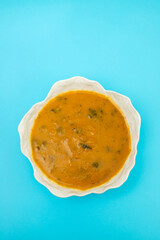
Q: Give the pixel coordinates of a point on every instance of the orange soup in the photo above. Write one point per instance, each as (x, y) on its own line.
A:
(80, 139)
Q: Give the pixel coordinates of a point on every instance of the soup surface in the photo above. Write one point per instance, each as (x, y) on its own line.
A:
(80, 139)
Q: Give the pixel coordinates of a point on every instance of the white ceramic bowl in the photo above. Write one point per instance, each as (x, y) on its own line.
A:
(80, 83)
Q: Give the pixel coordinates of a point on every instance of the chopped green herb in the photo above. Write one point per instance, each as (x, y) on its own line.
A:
(108, 149)
(125, 139)
(59, 130)
(82, 170)
(77, 130)
(53, 110)
(118, 151)
(113, 112)
(85, 146)
(101, 111)
(61, 98)
(95, 164)
(92, 113)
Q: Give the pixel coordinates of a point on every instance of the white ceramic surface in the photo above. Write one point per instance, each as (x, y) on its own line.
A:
(80, 83)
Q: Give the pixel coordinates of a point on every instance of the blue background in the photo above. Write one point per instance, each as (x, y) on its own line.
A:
(114, 42)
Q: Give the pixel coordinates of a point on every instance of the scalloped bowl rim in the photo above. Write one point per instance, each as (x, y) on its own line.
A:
(80, 83)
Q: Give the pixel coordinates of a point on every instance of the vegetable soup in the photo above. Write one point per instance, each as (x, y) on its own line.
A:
(80, 139)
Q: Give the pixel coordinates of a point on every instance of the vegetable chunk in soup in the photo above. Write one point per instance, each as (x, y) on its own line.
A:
(80, 139)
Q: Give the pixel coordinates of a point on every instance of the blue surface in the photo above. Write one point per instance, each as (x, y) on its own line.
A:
(114, 42)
